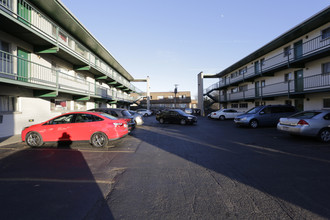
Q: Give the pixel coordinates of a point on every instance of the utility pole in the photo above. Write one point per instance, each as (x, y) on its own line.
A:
(175, 92)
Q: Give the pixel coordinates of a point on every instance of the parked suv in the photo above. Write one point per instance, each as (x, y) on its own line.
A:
(118, 113)
(267, 115)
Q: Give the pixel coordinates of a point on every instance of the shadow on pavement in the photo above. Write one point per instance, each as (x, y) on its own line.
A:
(297, 171)
(51, 184)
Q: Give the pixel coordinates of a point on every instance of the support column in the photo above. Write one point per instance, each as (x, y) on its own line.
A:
(200, 93)
(148, 93)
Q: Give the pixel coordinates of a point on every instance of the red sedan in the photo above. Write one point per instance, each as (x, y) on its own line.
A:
(96, 127)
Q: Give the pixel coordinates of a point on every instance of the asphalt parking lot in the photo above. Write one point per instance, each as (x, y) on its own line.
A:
(211, 170)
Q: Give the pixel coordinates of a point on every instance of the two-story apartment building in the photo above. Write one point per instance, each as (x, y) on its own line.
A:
(292, 69)
(50, 64)
(163, 100)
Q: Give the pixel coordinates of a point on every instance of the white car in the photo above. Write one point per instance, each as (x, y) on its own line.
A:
(137, 117)
(144, 112)
(223, 114)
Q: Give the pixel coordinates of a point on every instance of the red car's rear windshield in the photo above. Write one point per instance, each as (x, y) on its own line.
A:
(108, 116)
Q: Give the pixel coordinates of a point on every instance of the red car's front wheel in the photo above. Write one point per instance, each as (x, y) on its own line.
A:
(34, 139)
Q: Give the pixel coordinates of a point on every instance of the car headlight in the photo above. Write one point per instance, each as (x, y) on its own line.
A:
(190, 118)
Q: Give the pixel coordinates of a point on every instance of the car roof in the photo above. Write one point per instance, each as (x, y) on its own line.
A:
(81, 112)
(104, 108)
(319, 110)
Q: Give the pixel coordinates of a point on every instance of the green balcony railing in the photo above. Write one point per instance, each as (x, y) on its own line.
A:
(308, 48)
(15, 70)
(33, 18)
(306, 84)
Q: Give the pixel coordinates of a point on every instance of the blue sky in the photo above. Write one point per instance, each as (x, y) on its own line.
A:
(171, 41)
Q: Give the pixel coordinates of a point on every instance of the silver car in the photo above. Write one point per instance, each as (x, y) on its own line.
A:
(315, 123)
(137, 117)
(267, 115)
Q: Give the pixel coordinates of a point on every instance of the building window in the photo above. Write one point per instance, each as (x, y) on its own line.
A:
(288, 77)
(262, 62)
(7, 104)
(160, 97)
(234, 90)
(4, 46)
(288, 102)
(54, 30)
(286, 51)
(326, 33)
(170, 97)
(80, 76)
(79, 49)
(233, 75)
(259, 103)
(325, 68)
(58, 105)
(243, 88)
(70, 43)
(80, 106)
(263, 83)
(6, 3)
(234, 105)
(182, 96)
(242, 71)
(54, 67)
(326, 103)
(5, 58)
(63, 36)
(243, 105)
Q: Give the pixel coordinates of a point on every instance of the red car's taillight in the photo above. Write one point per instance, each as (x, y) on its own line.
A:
(302, 122)
(117, 124)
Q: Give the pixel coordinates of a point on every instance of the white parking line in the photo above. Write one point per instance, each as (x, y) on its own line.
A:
(55, 180)
(85, 150)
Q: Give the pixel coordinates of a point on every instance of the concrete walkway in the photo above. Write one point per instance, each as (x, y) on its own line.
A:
(10, 140)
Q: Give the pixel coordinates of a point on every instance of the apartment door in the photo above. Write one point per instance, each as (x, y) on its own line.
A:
(298, 49)
(224, 95)
(299, 104)
(257, 88)
(24, 12)
(22, 65)
(256, 67)
(299, 81)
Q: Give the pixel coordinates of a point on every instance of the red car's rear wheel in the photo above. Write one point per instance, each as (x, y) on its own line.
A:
(99, 139)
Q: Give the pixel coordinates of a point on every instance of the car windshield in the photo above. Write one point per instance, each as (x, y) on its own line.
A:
(182, 112)
(305, 115)
(254, 110)
(126, 113)
(108, 116)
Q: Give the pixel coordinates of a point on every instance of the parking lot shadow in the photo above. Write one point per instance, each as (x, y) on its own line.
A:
(51, 184)
(290, 172)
